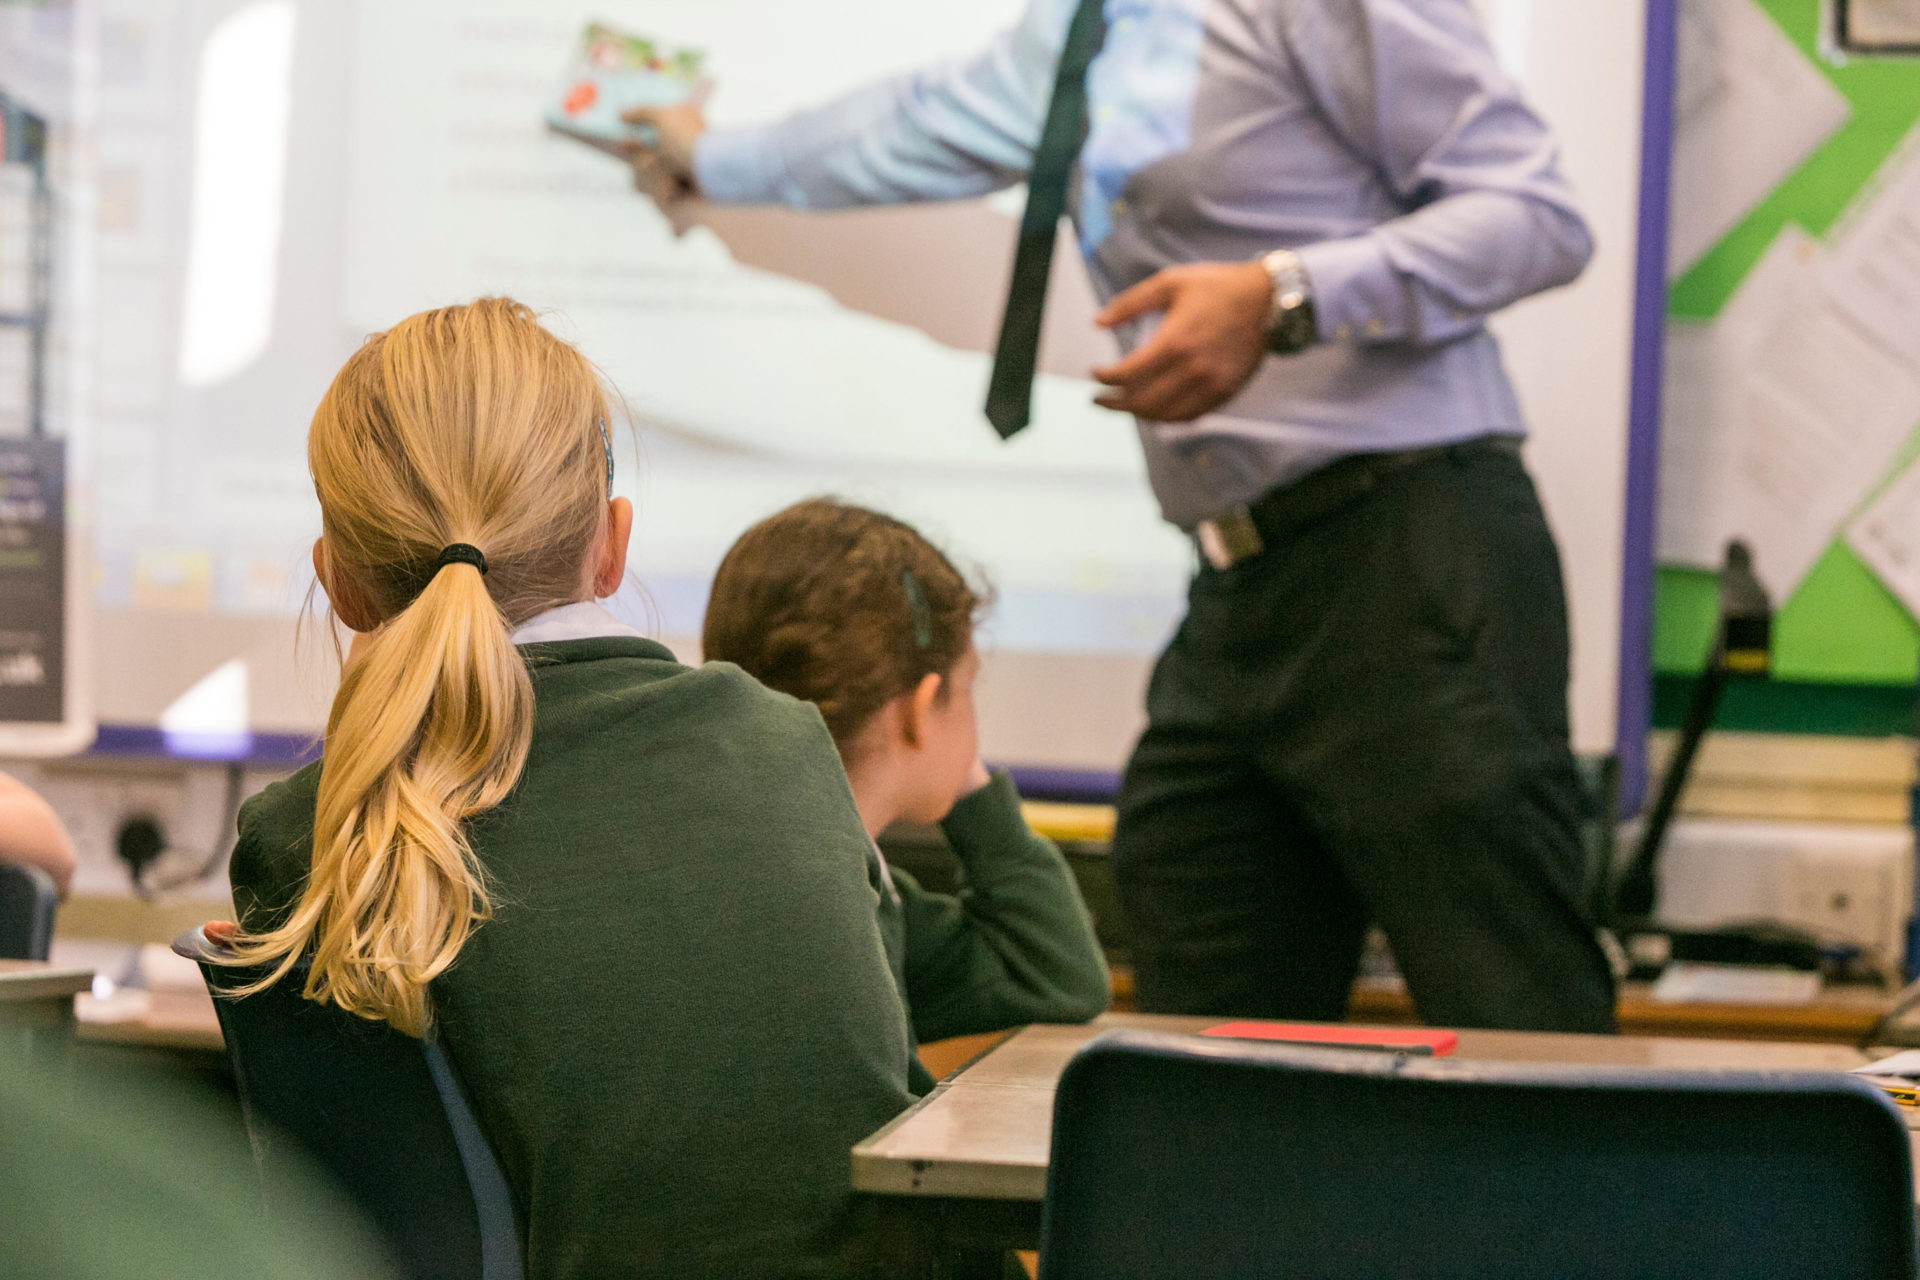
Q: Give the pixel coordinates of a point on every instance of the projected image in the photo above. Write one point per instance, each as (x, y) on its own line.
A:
(332, 168)
(261, 183)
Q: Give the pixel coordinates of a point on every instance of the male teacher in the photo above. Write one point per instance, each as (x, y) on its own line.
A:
(1300, 214)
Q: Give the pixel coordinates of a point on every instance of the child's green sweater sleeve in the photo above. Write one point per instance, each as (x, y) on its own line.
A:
(1016, 945)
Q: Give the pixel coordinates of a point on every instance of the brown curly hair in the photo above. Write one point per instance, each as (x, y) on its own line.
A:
(840, 606)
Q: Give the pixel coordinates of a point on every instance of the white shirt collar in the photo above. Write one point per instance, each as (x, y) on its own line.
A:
(582, 620)
(879, 859)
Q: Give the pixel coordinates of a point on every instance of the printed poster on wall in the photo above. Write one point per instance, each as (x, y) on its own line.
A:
(33, 615)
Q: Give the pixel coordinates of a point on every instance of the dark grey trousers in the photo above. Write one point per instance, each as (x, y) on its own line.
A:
(1367, 723)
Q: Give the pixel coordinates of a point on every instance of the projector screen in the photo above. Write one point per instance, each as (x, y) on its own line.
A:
(751, 388)
(273, 179)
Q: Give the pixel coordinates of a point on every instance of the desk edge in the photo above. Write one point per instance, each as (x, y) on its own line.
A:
(49, 984)
(896, 1176)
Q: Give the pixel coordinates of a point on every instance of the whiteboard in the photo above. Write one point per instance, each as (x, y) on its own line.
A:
(368, 114)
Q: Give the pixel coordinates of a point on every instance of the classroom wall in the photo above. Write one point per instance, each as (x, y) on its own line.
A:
(1567, 352)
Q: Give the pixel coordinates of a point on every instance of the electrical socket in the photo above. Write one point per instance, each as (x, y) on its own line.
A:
(96, 796)
(1838, 896)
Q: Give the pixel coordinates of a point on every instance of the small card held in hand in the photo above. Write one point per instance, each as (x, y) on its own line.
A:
(612, 73)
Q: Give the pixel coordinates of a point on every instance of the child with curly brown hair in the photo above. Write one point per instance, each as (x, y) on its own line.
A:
(860, 615)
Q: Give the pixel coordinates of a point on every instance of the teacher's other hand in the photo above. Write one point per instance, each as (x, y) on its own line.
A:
(1209, 342)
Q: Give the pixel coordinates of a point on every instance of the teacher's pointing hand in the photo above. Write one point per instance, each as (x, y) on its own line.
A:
(1208, 345)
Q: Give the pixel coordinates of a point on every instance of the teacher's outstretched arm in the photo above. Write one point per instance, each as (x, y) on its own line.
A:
(946, 132)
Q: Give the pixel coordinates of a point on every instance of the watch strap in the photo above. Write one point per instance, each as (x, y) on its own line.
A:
(1291, 325)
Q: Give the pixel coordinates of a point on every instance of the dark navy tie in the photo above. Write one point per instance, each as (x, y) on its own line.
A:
(1010, 393)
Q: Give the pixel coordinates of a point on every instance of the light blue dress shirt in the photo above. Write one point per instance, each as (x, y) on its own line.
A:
(1377, 138)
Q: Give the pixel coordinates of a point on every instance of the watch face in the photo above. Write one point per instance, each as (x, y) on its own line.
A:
(1294, 331)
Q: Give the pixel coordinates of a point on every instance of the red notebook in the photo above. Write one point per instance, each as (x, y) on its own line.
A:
(1436, 1044)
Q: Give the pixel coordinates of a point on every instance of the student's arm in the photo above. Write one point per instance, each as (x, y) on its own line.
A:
(948, 132)
(1016, 945)
(31, 833)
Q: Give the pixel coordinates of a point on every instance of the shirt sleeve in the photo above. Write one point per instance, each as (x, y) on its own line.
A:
(1016, 945)
(947, 132)
(1414, 86)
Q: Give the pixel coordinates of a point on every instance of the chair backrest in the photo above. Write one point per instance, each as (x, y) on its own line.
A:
(28, 900)
(1174, 1157)
(381, 1112)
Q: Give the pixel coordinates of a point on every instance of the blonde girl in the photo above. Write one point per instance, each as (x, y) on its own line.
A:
(629, 897)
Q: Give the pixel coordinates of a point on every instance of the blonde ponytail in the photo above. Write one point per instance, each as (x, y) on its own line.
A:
(468, 425)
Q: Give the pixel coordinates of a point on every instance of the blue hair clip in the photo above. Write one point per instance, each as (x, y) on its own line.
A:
(917, 606)
(606, 443)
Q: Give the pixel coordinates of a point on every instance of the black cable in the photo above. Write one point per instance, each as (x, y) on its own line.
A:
(1742, 646)
(1637, 891)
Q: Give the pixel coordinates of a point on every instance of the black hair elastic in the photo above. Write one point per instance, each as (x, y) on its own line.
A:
(461, 553)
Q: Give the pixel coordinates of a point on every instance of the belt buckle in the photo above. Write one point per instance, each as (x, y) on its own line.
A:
(1227, 540)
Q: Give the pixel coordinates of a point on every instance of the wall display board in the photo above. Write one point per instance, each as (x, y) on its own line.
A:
(280, 177)
(1793, 350)
(33, 595)
(44, 672)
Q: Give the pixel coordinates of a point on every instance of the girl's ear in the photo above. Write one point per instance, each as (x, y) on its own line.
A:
(349, 605)
(611, 565)
(917, 705)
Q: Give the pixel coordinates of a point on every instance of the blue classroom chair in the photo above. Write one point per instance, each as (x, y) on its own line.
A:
(28, 901)
(1176, 1158)
(381, 1112)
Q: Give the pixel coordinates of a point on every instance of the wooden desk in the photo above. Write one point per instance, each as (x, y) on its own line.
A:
(36, 1010)
(40, 994)
(1839, 1015)
(35, 980)
(965, 1168)
(185, 1023)
(191, 1027)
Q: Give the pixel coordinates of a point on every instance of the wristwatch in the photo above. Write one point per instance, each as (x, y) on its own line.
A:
(1291, 325)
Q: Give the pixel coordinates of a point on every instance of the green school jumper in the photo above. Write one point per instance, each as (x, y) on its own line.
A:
(680, 1018)
(123, 1172)
(1016, 946)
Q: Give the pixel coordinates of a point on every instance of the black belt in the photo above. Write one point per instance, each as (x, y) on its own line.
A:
(1270, 519)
